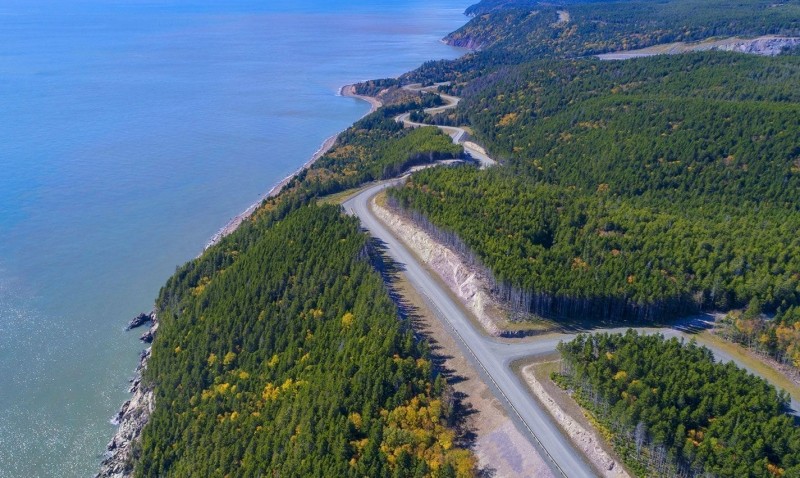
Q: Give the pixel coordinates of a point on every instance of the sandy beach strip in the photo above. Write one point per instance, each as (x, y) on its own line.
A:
(236, 221)
(350, 91)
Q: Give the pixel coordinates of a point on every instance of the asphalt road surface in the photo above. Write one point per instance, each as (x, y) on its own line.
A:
(458, 134)
(480, 349)
(493, 358)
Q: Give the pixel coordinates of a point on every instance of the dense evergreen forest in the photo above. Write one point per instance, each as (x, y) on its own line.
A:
(641, 189)
(279, 350)
(282, 354)
(377, 147)
(510, 32)
(777, 337)
(675, 412)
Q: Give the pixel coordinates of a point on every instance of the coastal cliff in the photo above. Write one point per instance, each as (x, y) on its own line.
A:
(134, 414)
(466, 41)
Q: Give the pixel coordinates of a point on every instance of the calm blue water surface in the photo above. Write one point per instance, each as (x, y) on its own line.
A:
(130, 131)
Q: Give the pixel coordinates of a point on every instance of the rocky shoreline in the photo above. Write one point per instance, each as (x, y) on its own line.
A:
(134, 414)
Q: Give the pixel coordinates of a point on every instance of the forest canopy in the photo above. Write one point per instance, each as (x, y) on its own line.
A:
(641, 189)
(289, 359)
(676, 412)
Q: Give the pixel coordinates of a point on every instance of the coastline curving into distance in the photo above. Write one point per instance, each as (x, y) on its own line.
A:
(458, 134)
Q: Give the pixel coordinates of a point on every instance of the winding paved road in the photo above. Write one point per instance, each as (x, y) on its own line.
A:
(458, 134)
(493, 358)
(481, 350)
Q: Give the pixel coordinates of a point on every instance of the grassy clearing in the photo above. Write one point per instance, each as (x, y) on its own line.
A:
(752, 361)
(340, 197)
(532, 326)
(380, 199)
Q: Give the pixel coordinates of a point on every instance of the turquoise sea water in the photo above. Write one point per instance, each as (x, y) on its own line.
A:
(131, 131)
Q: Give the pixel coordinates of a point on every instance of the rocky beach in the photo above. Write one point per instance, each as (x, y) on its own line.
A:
(134, 414)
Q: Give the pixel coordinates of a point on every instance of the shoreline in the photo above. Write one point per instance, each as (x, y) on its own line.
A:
(348, 91)
(134, 414)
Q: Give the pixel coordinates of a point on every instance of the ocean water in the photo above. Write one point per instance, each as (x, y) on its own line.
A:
(130, 132)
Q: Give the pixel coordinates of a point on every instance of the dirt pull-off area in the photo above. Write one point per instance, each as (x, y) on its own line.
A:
(465, 282)
(582, 434)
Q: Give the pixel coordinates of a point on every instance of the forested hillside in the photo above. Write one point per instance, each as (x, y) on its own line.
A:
(279, 350)
(675, 412)
(283, 355)
(520, 30)
(511, 32)
(376, 147)
(636, 190)
(641, 189)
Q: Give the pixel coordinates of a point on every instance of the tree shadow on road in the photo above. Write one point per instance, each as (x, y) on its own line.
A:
(461, 410)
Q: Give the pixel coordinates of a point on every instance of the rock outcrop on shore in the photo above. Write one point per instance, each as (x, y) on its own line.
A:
(134, 413)
(467, 41)
(140, 320)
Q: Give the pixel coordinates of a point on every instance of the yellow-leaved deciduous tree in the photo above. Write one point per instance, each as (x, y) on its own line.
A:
(270, 392)
(356, 420)
(201, 286)
(347, 319)
(417, 428)
(775, 470)
(273, 361)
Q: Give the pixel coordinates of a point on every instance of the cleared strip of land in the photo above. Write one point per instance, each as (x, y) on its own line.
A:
(765, 45)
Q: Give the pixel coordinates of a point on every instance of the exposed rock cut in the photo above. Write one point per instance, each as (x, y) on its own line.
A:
(587, 441)
(468, 285)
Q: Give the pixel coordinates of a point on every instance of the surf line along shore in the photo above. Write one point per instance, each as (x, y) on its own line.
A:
(347, 91)
(135, 412)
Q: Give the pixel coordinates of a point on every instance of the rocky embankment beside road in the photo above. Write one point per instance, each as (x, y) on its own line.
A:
(134, 413)
(466, 282)
(587, 440)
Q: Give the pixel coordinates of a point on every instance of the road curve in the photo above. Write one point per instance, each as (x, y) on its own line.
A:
(493, 358)
(458, 134)
(532, 421)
